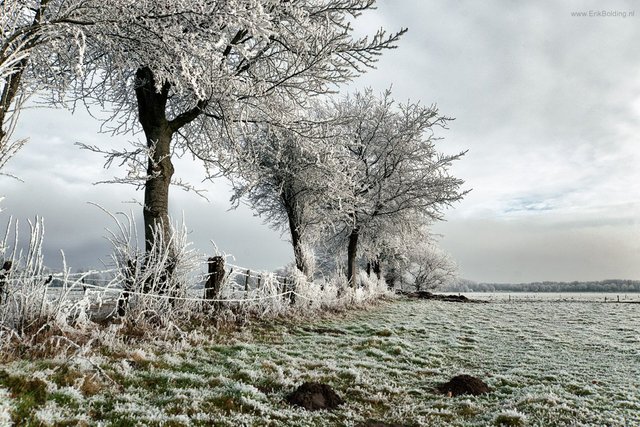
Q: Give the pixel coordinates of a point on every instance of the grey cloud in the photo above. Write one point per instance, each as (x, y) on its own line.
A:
(548, 105)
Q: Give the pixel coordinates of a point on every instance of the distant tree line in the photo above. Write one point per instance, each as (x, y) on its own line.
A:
(612, 285)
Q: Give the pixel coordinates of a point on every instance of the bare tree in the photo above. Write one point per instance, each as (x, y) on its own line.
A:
(189, 72)
(430, 267)
(397, 176)
(285, 174)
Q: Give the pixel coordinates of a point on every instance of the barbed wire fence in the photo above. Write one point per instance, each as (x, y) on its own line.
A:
(239, 284)
(35, 296)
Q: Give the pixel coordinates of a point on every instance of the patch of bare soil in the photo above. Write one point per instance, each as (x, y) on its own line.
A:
(464, 384)
(315, 396)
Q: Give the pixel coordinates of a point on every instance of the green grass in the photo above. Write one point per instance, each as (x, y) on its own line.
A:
(385, 363)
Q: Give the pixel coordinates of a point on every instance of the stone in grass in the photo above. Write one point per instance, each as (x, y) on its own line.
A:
(315, 396)
(464, 384)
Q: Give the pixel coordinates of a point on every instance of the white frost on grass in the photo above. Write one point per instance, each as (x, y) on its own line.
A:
(548, 363)
(6, 406)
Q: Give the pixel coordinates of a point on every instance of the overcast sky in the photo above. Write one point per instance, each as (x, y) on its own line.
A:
(547, 103)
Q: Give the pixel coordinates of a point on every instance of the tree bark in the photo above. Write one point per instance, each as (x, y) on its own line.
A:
(295, 228)
(352, 264)
(158, 132)
(9, 93)
(296, 241)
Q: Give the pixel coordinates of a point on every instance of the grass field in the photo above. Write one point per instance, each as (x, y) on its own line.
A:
(549, 363)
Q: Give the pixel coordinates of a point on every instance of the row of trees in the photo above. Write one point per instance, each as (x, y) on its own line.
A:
(241, 85)
(360, 173)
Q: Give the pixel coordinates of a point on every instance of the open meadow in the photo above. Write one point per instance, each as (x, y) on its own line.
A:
(548, 363)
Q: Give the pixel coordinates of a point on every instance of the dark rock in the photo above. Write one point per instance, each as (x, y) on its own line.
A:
(315, 396)
(464, 384)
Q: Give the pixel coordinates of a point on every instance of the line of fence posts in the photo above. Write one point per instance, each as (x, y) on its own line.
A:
(216, 276)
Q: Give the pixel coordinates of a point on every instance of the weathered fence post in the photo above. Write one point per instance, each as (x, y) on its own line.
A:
(246, 281)
(4, 273)
(216, 276)
(129, 281)
(292, 291)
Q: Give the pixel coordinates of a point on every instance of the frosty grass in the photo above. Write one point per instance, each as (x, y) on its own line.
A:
(550, 364)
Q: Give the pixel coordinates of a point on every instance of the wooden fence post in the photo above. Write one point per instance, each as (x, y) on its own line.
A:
(4, 273)
(292, 289)
(216, 276)
(246, 281)
(129, 281)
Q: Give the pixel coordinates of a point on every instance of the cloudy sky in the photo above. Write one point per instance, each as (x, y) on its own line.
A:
(547, 103)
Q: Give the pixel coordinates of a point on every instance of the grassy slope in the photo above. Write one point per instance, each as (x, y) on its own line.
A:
(551, 364)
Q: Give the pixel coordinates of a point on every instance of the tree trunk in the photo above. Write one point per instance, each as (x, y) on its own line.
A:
(8, 95)
(296, 241)
(11, 87)
(158, 132)
(295, 228)
(352, 264)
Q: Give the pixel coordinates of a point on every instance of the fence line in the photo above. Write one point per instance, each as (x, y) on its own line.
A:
(235, 270)
(196, 299)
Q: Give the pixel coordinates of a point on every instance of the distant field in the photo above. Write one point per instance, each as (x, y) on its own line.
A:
(556, 296)
(550, 364)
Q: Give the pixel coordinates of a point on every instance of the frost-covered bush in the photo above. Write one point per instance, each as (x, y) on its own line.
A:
(429, 267)
(27, 299)
(155, 283)
(335, 292)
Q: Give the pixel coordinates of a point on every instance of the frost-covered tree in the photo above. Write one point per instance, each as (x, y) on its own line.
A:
(397, 176)
(286, 175)
(189, 72)
(31, 31)
(430, 267)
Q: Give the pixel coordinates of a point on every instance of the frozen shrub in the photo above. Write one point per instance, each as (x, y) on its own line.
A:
(155, 283)
(28, 301)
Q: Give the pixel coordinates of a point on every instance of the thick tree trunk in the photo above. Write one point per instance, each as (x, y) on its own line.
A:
(352, 264)
(295, 228)
(158, 132)
(296, 241)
